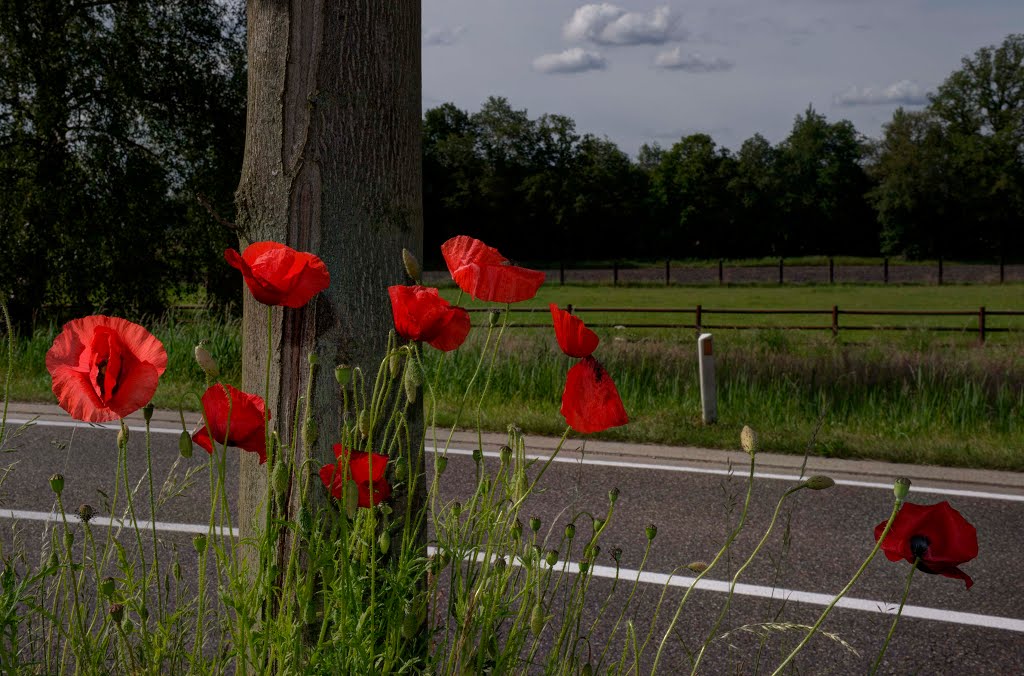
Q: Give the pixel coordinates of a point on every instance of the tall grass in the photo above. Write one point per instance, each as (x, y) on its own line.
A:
(915, 397)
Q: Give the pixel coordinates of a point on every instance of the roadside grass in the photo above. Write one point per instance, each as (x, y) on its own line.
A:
(909, 396)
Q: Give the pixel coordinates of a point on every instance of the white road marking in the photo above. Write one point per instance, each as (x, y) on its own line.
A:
(647, 577)
(631, 464)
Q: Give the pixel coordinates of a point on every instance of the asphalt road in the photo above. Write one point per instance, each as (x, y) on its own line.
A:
(693, 500)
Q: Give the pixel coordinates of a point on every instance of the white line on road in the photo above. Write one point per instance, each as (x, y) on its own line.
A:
(648, 577)
(631, 464)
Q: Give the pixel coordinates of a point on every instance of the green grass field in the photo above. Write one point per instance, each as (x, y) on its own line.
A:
(908, 396)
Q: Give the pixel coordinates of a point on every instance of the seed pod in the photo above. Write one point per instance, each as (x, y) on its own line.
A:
(116, 612)
(478, 455)
(534, 523)
(107, 587)
(85, 513)
(551, 557)
(505, 453)
(570, 531)
(584, 567)
(312, 359)
(185, 445)
(617, 554)
(652, 531)
(147, 412)
(343, 374)
(493, 316)
(57, 483)
(613, 495)
(901, 488)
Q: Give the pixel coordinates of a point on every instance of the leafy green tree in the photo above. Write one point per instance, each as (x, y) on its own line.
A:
(755, 190)
(113, 115)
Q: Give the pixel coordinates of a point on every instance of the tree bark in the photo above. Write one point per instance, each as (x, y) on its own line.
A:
(331, 166)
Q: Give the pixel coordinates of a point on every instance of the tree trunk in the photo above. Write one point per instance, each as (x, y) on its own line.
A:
(331, 166)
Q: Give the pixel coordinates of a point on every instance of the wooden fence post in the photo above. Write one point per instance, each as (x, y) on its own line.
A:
(981, 325)
(568, 308)
(699, 320)
(835, 321)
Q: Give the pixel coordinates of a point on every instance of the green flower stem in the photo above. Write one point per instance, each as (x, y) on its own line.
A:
(736, 577)
(895, 620)
(622, 612)
(843, 592)
(79, 620)
(714, 562)
(123, 451)
(152, 521)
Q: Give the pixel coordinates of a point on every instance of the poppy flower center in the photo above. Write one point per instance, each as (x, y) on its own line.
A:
(106, 363)
(919, 546)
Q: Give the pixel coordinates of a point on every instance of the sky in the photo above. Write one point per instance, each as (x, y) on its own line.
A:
(641, 71)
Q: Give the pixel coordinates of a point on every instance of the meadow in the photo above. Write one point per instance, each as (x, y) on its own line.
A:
(905, 396)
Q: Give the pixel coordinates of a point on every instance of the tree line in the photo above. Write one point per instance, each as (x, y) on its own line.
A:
(122, 133)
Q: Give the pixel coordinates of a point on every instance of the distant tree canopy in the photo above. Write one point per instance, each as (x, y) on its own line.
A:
(114, 117)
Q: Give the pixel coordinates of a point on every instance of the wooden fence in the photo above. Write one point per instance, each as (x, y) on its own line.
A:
(701, 315)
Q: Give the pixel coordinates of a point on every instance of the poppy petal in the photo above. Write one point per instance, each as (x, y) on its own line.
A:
(451, 330)
(485, 274)
(245, 429)
(276, 274)
(420, 313)
(590, 401)
(573, 336)
(942, 537)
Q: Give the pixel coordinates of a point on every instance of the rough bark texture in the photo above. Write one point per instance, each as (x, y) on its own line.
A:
(332, 166)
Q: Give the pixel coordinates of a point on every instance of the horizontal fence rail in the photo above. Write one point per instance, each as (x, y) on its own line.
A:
(700, 314)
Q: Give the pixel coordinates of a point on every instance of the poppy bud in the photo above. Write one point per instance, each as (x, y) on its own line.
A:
(819, 482)
(279, 478)
(185, 445)
(478, 455)
(394, 363)
(206, 361)
(351, 495)
(107, 587)
(176, 570)
(85, 513)
(199, 543)
(384, 542)
(534, 523)
(147, 412)
(652, 531)
(697, 566)
(584, 567)
(412, 266)
(343, 374)
(410, 624)
(122, 437)
(901, 488)
(551, 557)
(116, 612)
(412, 381)
(613, 495)
(493, 316)
(505, 453)
(537, 619)
(440, 464)
(363, 423)
(398, 467)
(748, 440)
(57, 483)
(570, 531)
(52, 562)
(312, 359)
(310, 432)
(591, 551)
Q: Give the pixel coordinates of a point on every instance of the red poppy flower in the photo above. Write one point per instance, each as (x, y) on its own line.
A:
(485, 274)
(938, 536)
(104, 368)
(373, 487)
(590, 402)
(575, 339)
(245, 430)
(421, 314)
(279, 275)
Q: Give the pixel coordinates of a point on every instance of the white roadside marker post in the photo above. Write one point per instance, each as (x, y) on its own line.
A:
(708, 392)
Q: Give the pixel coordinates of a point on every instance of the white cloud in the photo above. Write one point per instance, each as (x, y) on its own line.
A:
(608, 24)
(905, 92)
(674, 59)
(575, 60)
(443, 36)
